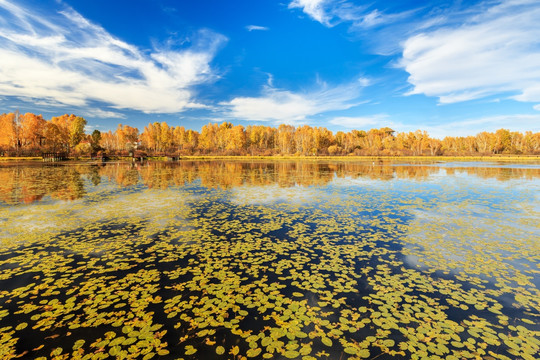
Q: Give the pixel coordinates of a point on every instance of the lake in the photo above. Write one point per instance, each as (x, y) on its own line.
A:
(270, 260)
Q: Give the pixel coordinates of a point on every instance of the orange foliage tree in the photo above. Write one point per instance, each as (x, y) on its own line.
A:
(21, 134)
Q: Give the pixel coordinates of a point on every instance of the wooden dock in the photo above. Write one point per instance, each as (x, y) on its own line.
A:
(54, 156)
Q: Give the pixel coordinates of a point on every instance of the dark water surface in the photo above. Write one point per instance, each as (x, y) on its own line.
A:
(287, 259)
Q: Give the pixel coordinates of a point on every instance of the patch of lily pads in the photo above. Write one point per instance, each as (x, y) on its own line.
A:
(440, 268)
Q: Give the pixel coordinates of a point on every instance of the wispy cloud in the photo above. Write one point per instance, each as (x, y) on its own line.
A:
(333, 12)
(361, 122)
(257, 27)
(473, 126)
(316, 9)
(495, 51)
(103, 114)
(465, 127)
(284, 106)
(66, 59)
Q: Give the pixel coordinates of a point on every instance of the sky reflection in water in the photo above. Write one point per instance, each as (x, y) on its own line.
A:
(291, 259)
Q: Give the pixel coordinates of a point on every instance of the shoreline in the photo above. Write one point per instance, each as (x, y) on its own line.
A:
(87, 160)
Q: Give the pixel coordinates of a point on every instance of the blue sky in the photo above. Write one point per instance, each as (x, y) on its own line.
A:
(448, 67)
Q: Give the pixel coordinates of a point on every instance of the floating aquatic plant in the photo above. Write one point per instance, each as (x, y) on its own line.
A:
(443, 268)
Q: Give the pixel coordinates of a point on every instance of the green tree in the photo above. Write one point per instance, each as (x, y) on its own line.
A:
(95, 138)
(76, 131)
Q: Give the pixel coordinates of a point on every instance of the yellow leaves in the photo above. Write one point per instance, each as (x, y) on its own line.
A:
(56, 351)
(253, 352)
(234, 350)
(78, 344)
(356, 267)
(326, 341)
(190, 350)
(163, 352)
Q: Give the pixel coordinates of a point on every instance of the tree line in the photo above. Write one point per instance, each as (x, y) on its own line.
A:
(30, 134)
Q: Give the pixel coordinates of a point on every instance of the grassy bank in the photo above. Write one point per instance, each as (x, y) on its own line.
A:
(312, 158)
(22, 158)
(492, 157)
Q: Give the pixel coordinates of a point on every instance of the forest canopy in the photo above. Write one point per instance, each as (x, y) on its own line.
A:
(31, 135)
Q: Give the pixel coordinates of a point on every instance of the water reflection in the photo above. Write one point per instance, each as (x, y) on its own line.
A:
(367, 263)
(26, 184)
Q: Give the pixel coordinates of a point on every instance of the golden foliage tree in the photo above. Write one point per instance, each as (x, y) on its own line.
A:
(30, 132)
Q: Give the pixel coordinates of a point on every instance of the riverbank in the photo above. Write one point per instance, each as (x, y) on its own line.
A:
(303, 158)
(367, 158)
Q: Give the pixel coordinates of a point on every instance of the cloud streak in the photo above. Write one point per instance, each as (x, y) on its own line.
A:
(492, 52)
(333, 12)
(287, 107)
(360, 122)
(68, 60)
(103, 114)
(473, 126)
(465, 127)
(256, 27)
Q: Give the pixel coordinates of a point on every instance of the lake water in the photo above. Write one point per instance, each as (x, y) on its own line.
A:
(257, 259)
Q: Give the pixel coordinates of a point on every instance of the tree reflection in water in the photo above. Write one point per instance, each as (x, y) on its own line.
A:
(29, 183)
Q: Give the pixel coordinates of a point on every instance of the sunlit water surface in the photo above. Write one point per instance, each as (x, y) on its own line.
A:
(288, 259)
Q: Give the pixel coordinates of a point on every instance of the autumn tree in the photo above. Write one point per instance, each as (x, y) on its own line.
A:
(32, 130)
(76, 130)
(304, 140)
(285, 139)
(126, 136)
(236, 139)
(53, 137)
(192, 139)
(31, 133)
(222, 136)
(434, 146)
(260, 139)
(164, 136)
(208, 136)
(503, 141)
(150, 138)
(485, 142)
(108, 141)
(531, 142)
(8, 132)
(323, 139)
(70, 130)
(179, 137)
(339, 141)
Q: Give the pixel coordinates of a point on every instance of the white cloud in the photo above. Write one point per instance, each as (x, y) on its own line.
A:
(495, 51)
(151, 206)
(332, 12)
(316, 9)
(66, 59)
(360, 122)
(283, 106)
(536, 107)
(473, 126)
(465, 127)
(256, 27)
(530, 93)
(103, 114)
(270, 194)
(364, 81)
